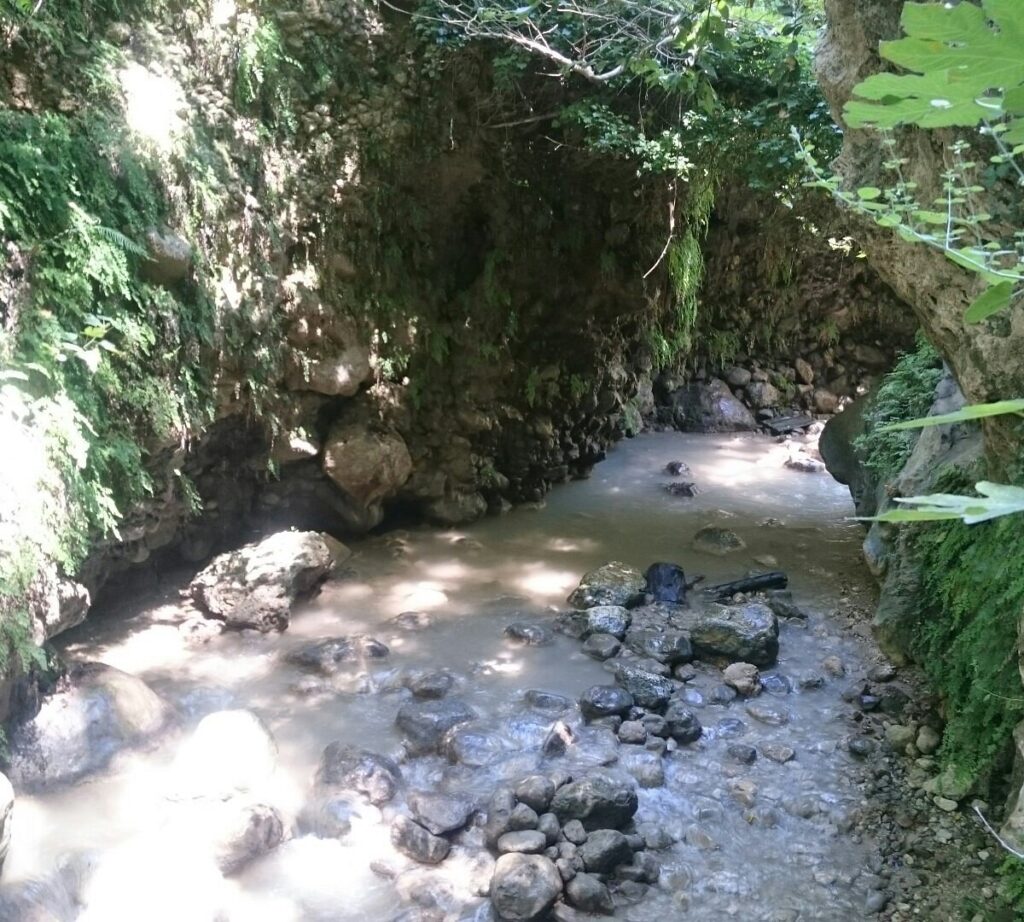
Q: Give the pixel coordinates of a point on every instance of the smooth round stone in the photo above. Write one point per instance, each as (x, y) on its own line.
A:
(730, 728)
(526, 841)
(601, 646)
(529, 634)
(605, 701)
(742, 753)
(776, 684)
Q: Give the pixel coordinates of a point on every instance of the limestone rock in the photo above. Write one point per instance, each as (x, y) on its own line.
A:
(338, 375)
(256, 585)
(744, 677)
(170, 258)
(612, 584)
(370, 465)
(710, 407)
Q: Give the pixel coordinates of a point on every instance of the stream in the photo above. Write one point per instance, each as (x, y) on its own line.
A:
(761, 839)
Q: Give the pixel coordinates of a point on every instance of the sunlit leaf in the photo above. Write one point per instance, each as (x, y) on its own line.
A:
(992, 299)
(969, 413)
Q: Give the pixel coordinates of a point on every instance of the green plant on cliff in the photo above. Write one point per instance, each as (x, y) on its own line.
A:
(964, 69)
(906, 392)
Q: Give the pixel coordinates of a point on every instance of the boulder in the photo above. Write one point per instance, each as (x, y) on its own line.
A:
(440, 813)
(170, 258)
(370, 465)
(329, 656)
(601, 646)
(804, 371)
(604, 850)
(614, 583)
(710, 406)
(339, 375)
(605, 701)
(79, 729)
(425, 723)
(648, 690)
(597, 801)
(347, 768)
(413, 841)
(681, 723)
(666, 646)
(744, 677)
(524, 887)
(763, 395)
(528, 841)
(529, 634)
(608, 619)
(244, 832)
(588, 894)
(256, 585)
(536, 792)
(746, 633)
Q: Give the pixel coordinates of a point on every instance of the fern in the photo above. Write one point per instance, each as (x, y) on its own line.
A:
(120, 240)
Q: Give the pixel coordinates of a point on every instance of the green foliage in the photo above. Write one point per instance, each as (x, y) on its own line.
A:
(261, 84)
(906, 391)
(970, 599)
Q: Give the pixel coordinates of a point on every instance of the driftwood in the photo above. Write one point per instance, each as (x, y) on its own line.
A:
(774, 580)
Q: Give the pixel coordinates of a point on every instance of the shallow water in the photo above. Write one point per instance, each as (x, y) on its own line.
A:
(781, 853)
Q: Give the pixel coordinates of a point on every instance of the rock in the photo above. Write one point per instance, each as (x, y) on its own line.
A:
(456, 509)
(781, 602)
(229, 752)
(80, 728)
(804, 371)
(742, 753)
(737, 377)
(712, 539)
(677, 469)
(6, 809)
(529, 841)
(524, 887)
(612, 584)
(778, 752)
(666, 646)
(834, 667)
(776, 684)
(472, 747)
(344, 767)
(256, 585)
(805, 464)
(608, 619)
(370, 466)
(413, 841)
(588, 894)
(643, 868)
(574, 832)
(928, 740)
(338, 375)
(767, 714)
(655, 836)
(648, 690)
(328, 656)
(522, 816)
(536, 791)
(747, 633)
(601, 646)
(633, 731)
(682, 724)
(425, 723)
(440, 813)
(429, 685)
(762, 395)
(899, 737)
(546, 701)
(811, 682)
(605, 700)
(744, 677)
(604, 850)
(549, 825)
(722, 694)
(529, 634)
(824, 401)
(412, 621)
(683, 488)
(945, 803)
(249, 831)
(645, 766)
(170, 258)
(710, 407)
(597, 801)
(860, 746)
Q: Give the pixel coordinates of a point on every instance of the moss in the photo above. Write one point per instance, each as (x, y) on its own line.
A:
(906, 392)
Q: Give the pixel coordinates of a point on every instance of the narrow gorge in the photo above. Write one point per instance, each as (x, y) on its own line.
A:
(449, 470)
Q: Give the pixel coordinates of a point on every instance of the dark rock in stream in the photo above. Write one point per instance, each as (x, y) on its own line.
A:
(601, 646)
(432, 685)
(440, 813)
(677, 469)
(682, 724)
(529, 634)
(536, 791)
(597, 801)
(425, 723)
(546, 701)
(612, 584)
(588, 894)
(647, 689)
(345, 767)
(415, 842)
(608, 619)
(604, 701)
(526, 841)
(665, 646)
(748, 633)
(329, 655)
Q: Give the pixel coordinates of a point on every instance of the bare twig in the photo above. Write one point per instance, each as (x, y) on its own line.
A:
(998, 838)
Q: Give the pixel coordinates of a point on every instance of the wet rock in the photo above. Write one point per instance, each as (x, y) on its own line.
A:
(524, 887)
(549, 825)
(928, 740)
(781, 602)
(413, 841)
(79, 729)
(776, 684)
(834, 667)
(603, 850)
(574, 832)
(730, 728)
(644, 868)
(860, 746)
(655, 836)
(528, 841)
(664, 646)
(608, 619)
(546, 701)
(882, 672)
(633, 731)
(778, 752)
(683, 488)
(330, 815)
(256, 585)
(811, 682)
(369, 465)
(709, 406)
(560, 737)
(713, 539)
(647, 689)
(748, 633)
(597, 801)
(605, 700)
(601, 646)
(6, 809)
(344, 767)
(682, 724)
(536, 791)
(248, 831)
(529, 634)
(412, 621)
(899, 737)
(612, 584)
(229, 752)
(440, 813)
(522, 816)
(722, 694)
(429, 685)
(677, 469)
(425, 723)
(699, 838)
(472, 746)
(766, 714)
(742, 753)
(646, 767)
(329, 656)
(805, 464)
(588, 894)
(744, 677)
